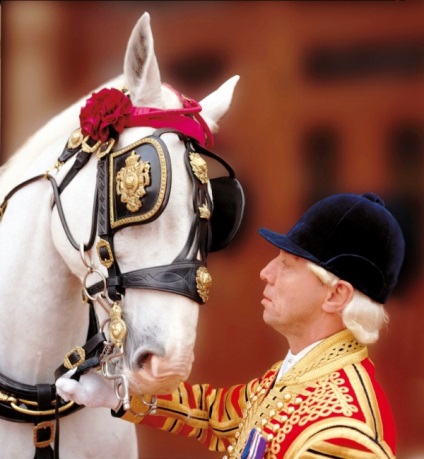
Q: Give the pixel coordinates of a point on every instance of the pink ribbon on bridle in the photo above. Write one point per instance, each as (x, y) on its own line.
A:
(186, 120)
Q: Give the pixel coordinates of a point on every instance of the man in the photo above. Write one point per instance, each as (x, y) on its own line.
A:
(324, 292)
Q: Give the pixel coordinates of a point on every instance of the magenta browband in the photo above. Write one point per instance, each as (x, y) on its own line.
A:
(186, 120)
(110, 111)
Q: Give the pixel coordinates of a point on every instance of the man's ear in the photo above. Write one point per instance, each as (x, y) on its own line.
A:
(338, 297)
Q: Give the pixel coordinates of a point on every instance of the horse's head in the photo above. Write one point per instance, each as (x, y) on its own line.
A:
(154, 225)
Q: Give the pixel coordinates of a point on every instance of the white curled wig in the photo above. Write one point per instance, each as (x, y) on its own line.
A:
(362, 316)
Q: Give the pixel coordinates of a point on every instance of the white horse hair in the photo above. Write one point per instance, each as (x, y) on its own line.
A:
(41, 273)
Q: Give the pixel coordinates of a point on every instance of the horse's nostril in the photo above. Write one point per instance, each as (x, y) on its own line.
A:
(140, 360)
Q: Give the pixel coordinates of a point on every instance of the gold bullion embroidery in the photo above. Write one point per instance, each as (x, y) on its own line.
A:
(335, 352)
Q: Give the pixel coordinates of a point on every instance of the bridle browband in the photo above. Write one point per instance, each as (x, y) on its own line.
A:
(186, 275)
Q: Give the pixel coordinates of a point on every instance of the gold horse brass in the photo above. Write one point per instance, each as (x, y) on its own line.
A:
(117, 327)
(203, 283)
(199, 166)
(131, 181)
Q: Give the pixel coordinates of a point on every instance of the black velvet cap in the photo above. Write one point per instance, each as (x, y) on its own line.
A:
(354, 237)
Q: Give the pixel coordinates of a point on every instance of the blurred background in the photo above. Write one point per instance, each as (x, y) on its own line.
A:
(331, 99)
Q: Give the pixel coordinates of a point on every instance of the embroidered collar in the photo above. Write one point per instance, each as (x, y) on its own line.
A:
(329, 355)
(291, 359)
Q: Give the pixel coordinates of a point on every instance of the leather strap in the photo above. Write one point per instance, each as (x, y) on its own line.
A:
(92, 350)
(58, 202)
(44, 431)
(178, 277)
(15, 189)
(81, 160)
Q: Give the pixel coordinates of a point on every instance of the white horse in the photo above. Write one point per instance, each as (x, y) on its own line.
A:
(42, 275)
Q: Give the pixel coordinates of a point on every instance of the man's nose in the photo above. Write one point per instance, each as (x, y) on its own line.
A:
(265, 272)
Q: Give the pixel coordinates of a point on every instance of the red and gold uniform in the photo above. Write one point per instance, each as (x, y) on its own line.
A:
(329, 404)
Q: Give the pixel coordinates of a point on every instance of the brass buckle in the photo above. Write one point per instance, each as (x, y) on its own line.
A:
(44, 425)
(81, 353)
(105, 148)
(86, 148)
(105, 261)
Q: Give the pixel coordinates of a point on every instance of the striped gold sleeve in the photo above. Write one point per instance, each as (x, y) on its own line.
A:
(212, 416)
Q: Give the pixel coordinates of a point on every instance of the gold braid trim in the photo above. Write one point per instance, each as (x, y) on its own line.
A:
(367, 400)
(346, 428)
(333, 353)
(324, 449)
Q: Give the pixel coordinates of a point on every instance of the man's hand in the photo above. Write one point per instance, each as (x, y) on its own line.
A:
(91, 390)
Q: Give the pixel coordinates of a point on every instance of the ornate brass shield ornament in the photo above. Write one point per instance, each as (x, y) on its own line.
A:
(199, 166)
(139, 182)
(203, 283)
(131, 181)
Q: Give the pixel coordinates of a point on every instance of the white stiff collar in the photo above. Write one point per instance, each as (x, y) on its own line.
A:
(292, 359)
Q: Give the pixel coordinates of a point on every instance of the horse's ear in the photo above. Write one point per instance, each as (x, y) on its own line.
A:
(141, 71)
(216, 105)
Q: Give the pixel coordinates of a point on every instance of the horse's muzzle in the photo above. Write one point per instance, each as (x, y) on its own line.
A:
(159, 375)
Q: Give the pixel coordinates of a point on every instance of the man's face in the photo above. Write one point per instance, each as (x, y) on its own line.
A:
(293, 296)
